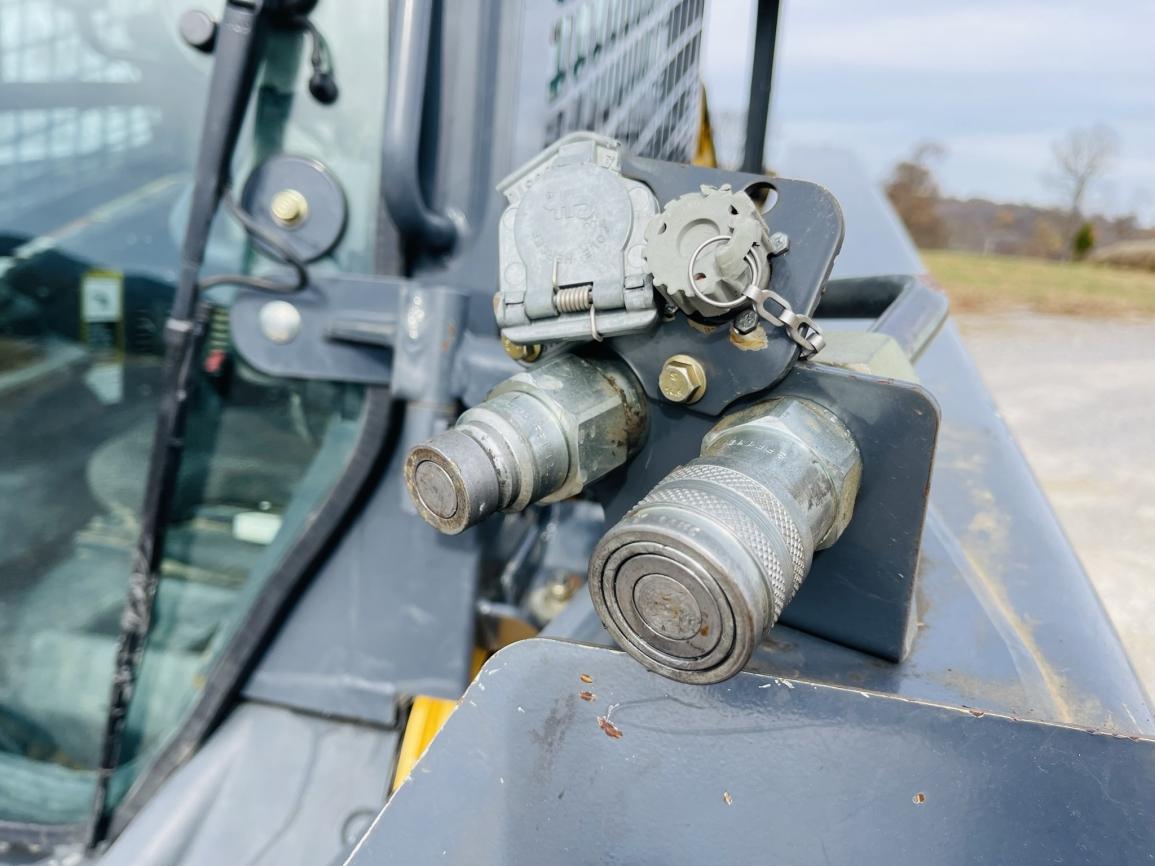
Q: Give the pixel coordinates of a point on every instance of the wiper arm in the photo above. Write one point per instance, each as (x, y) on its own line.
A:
(234, 66)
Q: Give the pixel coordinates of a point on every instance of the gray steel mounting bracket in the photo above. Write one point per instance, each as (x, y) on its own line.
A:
(860, 591)
(340, 328)
(809, 215)
(349, 328)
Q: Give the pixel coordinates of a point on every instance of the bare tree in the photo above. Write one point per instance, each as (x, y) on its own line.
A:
(1082, 156)
(913, 190)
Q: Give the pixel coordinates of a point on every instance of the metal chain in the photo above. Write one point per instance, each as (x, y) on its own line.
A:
(802, 329)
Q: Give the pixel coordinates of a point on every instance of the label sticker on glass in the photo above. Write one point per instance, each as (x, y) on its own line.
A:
(102, 333)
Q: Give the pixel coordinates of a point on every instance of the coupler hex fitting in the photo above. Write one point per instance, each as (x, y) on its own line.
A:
(690, 580)
(542, 435)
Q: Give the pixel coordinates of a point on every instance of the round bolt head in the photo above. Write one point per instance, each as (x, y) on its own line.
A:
(198, 30)
(528, 354)
(289, 208)
(682, 380)
(280, 321)
(779, 243)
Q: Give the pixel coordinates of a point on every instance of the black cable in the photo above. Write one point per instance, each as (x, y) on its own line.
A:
(272, 242)
(322, 84)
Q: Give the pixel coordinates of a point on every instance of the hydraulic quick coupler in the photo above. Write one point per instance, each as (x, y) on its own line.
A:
(694, 575)
(540, 436)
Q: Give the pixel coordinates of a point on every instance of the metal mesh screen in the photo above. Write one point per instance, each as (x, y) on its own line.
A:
(627, 69)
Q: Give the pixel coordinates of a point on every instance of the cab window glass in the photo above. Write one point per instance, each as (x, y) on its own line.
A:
(100, 109)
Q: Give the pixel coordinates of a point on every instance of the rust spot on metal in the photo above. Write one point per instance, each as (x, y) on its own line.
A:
(585, 678)
(636, 412)
(978, 714)
(781, 645)
(755, 341)
(985, 547)
(609, 728)
(919, 798)
(587, 696)
(700, 328)
(984, 543)
(727, 799)
(704, 630)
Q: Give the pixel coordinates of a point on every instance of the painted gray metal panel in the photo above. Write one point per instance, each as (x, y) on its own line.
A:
(271, 787)
(389, 614)
(1007, 619)
(1011, 548)
(876, 244)
(755, 770)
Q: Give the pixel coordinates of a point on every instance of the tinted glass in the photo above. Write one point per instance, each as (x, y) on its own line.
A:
(100, 109)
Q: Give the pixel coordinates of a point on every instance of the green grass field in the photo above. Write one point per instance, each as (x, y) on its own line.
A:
(977, 283)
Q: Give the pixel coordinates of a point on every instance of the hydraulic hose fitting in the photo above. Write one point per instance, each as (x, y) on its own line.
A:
(542, 435)
(692, 577)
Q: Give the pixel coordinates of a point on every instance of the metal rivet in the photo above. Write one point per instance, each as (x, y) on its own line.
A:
(683, 379)
(280, 321)
(528, 354)
(289, 208)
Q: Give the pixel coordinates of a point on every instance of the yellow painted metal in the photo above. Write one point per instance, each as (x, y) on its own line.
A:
(426, 717)
(704, 153)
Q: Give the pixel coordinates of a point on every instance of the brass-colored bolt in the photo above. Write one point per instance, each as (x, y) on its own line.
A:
(563, 587)
(528, 354)
(289, 208)
(683, 379)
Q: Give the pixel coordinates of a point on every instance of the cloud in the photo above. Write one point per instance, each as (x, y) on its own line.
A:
(996, 81)
(978, 39)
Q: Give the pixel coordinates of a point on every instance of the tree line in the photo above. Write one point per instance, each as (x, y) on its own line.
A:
(1080, 159)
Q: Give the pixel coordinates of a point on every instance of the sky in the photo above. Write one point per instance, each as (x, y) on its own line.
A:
(995, 81)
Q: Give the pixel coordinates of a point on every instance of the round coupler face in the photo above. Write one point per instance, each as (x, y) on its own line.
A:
(452, 482)
(679, 591)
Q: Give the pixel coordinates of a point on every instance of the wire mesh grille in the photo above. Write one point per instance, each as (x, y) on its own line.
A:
(627, 69)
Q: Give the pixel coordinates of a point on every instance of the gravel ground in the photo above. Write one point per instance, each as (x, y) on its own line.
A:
(1079, 395)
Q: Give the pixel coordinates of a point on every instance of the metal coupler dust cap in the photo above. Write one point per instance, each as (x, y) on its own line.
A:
(691, 579)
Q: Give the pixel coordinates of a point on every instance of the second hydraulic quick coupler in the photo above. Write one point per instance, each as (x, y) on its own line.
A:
(540, 436)
(690, 580)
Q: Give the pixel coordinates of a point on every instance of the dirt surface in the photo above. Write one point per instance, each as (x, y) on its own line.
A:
(1079, 395)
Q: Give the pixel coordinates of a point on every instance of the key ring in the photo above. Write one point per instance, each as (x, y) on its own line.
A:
(751, 261)
(801, 328)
